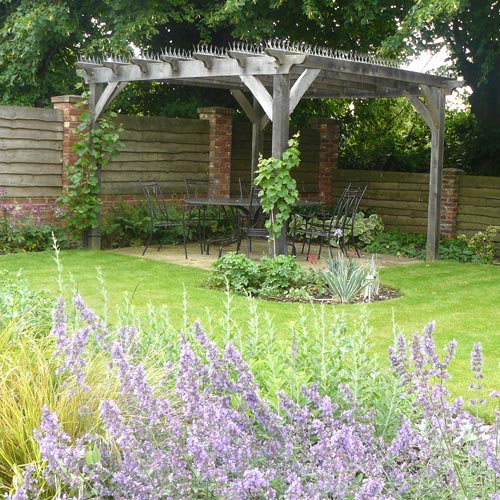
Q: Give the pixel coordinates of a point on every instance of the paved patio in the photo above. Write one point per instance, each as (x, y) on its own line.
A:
(174, 254)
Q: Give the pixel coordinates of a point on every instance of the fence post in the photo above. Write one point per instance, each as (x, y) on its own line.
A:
(329, 132)
(219, 156)
(449, 201)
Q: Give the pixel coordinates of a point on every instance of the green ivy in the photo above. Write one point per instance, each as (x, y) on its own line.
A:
(98, 143)
(279, 189)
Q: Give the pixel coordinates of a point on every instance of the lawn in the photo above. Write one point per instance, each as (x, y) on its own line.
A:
(463, 299)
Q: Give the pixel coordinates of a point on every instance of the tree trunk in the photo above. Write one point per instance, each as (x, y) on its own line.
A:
(485, 106)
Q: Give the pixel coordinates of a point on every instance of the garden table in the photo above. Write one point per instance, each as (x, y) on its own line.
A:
(235, 205)
(241, 204)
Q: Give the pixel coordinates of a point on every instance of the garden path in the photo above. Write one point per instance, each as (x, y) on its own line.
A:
(174, 254)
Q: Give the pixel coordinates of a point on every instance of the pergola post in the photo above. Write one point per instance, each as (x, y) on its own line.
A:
(436, 177)
(432, 111)
(281, 132)
(92, 237)
(257, 137)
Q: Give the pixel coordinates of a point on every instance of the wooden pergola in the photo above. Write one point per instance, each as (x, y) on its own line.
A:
(269, 80)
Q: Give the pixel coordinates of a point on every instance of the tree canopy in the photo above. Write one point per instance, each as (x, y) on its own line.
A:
(40, 42)
(470, 31)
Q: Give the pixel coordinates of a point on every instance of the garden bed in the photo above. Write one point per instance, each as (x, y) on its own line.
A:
(384, 293)
(282, 279)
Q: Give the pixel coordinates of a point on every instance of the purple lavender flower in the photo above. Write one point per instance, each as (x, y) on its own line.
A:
(94, 324)
(210, 432)
(28, 487)
(476, 366)
(63, 458)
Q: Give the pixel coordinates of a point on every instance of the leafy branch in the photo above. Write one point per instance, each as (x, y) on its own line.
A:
(279, 189)
(97, 145)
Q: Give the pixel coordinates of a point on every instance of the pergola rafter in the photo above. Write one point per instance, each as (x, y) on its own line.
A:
(277, 76)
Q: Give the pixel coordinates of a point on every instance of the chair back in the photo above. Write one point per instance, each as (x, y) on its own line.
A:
(155, 200)
(346, 209)
(243, 188)
(196, 188)
(254, 208)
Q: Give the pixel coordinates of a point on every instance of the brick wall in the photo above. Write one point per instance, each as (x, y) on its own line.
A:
(219, 157)
(72, 108)
(449, 201)
(329, 134)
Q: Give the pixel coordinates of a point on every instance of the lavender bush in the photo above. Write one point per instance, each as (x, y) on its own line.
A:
(205, 431)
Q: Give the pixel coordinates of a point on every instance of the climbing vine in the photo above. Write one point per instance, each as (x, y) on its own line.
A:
(97, 145)
(279, 189)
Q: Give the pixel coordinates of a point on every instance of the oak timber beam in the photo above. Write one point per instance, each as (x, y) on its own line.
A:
(301, 86)
(257, 137)
(432, 110)
(281, 132)
(262, 120)
(105, 98)
(260, 93)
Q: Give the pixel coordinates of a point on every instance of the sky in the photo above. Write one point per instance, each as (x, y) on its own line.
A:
(427, 62)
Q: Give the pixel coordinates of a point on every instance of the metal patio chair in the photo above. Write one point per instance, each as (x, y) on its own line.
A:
(228, 230)
(206, 218)
(335, 226)
(161, 219)
(252, 225)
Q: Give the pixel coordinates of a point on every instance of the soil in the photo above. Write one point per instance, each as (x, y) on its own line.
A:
(384, 293)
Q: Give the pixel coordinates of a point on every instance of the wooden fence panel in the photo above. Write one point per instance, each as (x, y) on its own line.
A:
(478, 203)
(306, 174)
(31, 144)
(400, 198)
(166, 149)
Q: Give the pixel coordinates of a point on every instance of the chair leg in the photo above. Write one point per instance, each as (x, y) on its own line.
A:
(202, 228)
(320, 246)
(309, 241)
(239, 240)
(184, 241)
(343, 247)
(146, 245)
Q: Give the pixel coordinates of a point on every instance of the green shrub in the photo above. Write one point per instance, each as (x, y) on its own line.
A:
(234, 272)
(400, 243)
(456, 249)
(22, 308)
(482, 244)
(346, 280)
(366, 228)
(125, 226)
(477, 248)
(279, 274)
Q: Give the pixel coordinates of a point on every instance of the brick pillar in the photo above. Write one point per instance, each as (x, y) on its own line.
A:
(329, 132)
(72, 111)
(219, 157)
(449, 201)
